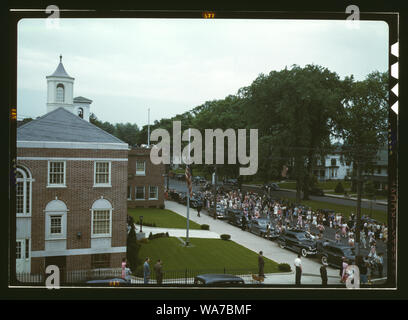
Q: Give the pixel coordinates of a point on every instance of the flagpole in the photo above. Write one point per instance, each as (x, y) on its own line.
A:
(148, 127)
(188, 190)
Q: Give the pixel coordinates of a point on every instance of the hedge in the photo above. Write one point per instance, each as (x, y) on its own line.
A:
(284, 267)
(205, 227)
(225, 237)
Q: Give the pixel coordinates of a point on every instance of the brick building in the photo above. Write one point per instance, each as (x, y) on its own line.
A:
(145, 180)
(71, 189)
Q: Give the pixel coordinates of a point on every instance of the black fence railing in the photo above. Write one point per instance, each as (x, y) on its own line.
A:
(174, 277)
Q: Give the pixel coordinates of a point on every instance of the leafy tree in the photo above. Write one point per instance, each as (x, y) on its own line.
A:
(363, 126)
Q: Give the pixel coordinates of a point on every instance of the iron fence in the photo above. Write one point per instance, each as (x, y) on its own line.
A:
(169, 277)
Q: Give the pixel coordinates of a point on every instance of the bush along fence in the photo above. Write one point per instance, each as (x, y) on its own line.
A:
(170, 277)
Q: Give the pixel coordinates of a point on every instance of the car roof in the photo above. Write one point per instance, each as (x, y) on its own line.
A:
(218, 277)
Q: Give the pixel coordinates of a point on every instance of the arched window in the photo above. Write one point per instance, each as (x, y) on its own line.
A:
(23, 191)
(55, 220)
(101, 223)
(81, 113)
(60, 93)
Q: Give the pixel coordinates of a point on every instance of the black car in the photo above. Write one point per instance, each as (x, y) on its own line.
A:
(108, 282)
(220, 212)
(231, 182)
(316, 192)
(234, 216)
(298, 241)
(332, 253)
(259, 227)
(272, 186)
(218, 279)
(196, 202)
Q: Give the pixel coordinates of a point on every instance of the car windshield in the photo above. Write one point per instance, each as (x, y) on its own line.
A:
(262, 223)
(348, 251)
(301, 236)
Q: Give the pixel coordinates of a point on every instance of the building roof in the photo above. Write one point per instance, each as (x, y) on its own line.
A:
(61, 125)
(82, 99)
(60, 71)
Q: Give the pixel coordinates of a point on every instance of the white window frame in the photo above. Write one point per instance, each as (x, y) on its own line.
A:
(141, 173)
(144, 193)
(25, 179)
(129, 191)
(103, 185)
(56, 208)
(57, 100)
(101, 205)
(157, 193)
(60, 216)
(56, 185)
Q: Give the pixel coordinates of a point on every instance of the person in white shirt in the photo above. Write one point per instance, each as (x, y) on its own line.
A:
(298, 266)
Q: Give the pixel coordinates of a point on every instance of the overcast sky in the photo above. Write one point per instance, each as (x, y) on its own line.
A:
(171, 66)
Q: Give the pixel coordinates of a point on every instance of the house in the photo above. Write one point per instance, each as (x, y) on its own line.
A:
(70, 188)
(145, 180)
(378, 172)
(332, 167)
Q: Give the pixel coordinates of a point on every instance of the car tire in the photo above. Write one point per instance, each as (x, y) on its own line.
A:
(324, 260)
(303, 252)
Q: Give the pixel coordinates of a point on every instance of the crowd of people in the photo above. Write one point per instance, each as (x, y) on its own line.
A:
(283, 214)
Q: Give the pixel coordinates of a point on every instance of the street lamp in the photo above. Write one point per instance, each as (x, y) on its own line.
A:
(141, 222)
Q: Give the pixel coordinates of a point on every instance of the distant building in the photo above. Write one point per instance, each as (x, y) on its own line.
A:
(379, 171)
(70, 188)
(145, 180)
(332, 167)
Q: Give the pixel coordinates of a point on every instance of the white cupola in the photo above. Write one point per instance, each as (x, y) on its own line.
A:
(60, 93)
(60, 87)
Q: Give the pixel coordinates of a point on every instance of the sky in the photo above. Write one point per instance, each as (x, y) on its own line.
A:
(126, 66)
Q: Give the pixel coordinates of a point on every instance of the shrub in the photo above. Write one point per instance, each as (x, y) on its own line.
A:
(144, 240)
(339, 188)
(161, 206)
(225, 237)
(284, 267)
(158, 235)
(205, 227)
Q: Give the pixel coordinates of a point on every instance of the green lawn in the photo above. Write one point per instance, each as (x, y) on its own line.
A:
(163, 218)
(203, 256)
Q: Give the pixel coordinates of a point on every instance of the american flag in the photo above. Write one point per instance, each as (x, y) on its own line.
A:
(188, 180)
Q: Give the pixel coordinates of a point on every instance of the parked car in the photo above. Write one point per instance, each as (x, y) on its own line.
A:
(332, 253)
(298, 241)
(316, 192)
(272, 186)
(234, 216)
(218, 279)
(259, 227)
(195, 202)
(231, 182)
(220, 212)
(111, 282)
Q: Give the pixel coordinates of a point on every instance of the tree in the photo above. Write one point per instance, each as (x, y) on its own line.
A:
(132, 250)
(363, 126)
(299, 107)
